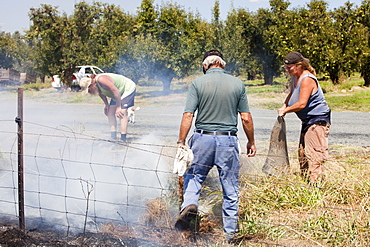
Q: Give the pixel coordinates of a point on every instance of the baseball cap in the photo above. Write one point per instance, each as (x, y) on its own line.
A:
(212, 53)
(293, 57)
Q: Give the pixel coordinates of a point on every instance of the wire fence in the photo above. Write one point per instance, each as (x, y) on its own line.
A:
(77, 182)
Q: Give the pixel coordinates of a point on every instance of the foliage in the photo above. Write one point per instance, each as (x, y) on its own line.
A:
(46, 32)
(109, 30)
(237, 51)
(89, 36)
(36, 86)
(137, 57)
(165, 45)
(267, 37)
(167, 42)
(347, 37)
(363, 15)
(7, 47)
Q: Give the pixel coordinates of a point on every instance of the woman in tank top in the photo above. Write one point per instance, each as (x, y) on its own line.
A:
(307, 100)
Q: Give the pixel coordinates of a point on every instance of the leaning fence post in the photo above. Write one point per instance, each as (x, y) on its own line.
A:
(19, 121)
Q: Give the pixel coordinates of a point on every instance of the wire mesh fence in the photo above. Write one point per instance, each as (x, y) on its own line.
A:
(77, 182)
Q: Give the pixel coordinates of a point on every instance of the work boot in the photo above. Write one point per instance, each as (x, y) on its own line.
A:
(123, 138)
(186, 216)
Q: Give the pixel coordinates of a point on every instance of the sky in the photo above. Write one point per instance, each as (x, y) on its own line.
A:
(14, 13)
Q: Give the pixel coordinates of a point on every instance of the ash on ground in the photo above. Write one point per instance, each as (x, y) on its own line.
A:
(156, 229)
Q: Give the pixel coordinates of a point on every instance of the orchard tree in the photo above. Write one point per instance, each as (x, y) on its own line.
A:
(137, 55)
(267, 38)
(146, 18)
(110, 30)
(314, 30)
(46, 32)
(237, 43)
(166, 45)
(348, 37)
(217, 26)
(89, 36)
(7, 51)
(363, 15)
(23, 53)
(177, 35)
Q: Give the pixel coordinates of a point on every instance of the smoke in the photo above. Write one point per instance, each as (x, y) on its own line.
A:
(67, 176)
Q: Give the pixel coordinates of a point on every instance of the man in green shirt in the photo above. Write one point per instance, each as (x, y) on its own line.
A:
(218, 99)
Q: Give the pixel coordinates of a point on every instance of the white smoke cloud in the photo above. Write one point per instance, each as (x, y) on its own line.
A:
(64, 174)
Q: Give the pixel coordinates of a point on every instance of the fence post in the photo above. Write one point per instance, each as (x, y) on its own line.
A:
(19, 121)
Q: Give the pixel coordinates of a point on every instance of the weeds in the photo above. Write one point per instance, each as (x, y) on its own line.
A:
(36, 86)
(352, 102)
(334, 213)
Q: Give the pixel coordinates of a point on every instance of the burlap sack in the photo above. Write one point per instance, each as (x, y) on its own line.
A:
(277, 161)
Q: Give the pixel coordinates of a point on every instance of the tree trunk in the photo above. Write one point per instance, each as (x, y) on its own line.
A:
(268, 74)
(166, 85)
(334, 78)
(365, 71)
(268, 79)
(367, 80)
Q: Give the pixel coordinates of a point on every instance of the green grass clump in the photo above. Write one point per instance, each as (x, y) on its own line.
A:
(358, 101)
(277, 88)
(36, 86)
(348, 84)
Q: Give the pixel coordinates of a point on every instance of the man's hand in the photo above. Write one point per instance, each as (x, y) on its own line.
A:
(119, 112)
(251, 149)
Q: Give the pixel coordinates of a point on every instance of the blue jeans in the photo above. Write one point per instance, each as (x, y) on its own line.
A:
(223, 152)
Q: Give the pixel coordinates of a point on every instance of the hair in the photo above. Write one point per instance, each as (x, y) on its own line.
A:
(85, 82)
(211, 60)
(305, 65)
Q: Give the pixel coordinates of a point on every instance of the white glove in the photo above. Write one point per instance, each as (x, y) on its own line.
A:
(184, 158)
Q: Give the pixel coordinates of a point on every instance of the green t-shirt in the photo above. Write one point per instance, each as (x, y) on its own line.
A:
(218, 98)
(124, 85)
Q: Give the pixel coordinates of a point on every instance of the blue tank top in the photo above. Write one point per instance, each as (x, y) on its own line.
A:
(316, 109)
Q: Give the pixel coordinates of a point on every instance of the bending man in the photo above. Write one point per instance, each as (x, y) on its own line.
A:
(121, 90)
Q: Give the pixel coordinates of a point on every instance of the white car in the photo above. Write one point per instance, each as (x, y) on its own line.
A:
(79, 73)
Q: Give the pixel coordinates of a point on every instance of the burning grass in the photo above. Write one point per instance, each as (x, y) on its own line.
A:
(155, 229)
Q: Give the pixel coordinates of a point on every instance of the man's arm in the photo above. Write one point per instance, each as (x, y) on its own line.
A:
(106, 104)
(187, 120)
(104, 98)
(248, 128)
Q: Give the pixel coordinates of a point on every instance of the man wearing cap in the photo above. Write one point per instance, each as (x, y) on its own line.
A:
(121, 90)
(307, 100)
(218, 98)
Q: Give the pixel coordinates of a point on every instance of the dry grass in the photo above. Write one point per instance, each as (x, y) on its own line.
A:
(293, 213)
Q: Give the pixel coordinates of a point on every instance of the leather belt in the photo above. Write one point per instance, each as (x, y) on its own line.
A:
(224, 133)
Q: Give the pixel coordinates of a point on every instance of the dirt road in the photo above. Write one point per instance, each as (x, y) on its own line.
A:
(348, 128)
